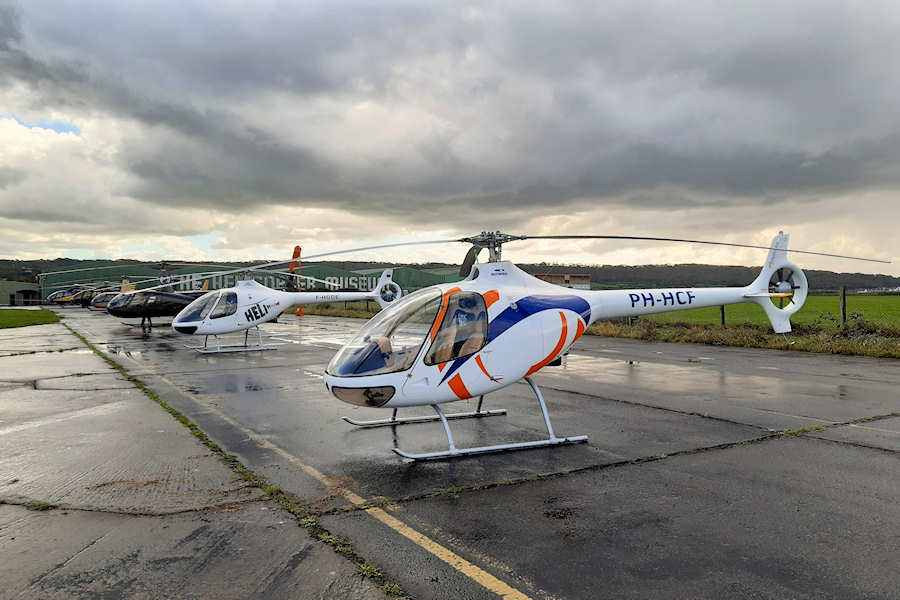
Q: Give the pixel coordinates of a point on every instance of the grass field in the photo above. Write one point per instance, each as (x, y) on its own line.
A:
(817, 311)
(22, 318)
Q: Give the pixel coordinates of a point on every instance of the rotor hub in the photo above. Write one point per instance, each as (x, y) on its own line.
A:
(493, 241)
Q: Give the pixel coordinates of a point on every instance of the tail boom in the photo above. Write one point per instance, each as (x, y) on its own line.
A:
(778, 279)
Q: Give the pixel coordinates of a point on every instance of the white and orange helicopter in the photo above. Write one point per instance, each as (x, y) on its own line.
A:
(500, 325)
(250, 304)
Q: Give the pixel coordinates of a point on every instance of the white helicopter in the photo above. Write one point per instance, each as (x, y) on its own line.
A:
(460, 340)
(249, 304)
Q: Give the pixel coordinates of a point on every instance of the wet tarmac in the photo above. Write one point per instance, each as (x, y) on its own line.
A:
(695, 481)
(103, 494)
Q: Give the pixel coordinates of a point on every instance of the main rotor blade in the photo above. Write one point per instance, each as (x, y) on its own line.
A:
(295, 276)
(263, 266)
(661, 239)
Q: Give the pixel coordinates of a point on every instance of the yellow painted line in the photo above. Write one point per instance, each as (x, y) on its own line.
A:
(454, 560)
(468, 569)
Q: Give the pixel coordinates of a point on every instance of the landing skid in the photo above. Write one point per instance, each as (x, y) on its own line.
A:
(475, 414)
(454, 452)
(220, 349)
(145, 326)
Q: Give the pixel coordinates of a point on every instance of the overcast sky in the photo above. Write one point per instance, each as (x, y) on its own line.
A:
(233, 129)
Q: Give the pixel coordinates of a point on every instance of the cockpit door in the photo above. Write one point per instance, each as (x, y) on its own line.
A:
(459, 331)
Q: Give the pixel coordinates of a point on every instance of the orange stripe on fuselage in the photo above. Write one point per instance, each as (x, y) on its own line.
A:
(459, 388)
(490, 297)
(579, 330)
(559, 346)
(481, 366)
(445, 302)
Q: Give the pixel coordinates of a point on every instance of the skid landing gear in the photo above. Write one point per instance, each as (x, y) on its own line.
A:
(205, 349)
(453, 452)
(475, 414)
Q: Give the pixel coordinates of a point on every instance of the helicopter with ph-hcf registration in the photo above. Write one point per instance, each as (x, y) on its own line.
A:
(500, 325)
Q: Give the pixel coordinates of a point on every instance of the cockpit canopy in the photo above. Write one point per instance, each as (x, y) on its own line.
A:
(120, 300)
(455, 323)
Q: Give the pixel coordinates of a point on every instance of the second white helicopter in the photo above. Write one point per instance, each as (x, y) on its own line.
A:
(250, 304)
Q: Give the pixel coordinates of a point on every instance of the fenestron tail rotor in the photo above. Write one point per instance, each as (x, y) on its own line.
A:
(782, 285)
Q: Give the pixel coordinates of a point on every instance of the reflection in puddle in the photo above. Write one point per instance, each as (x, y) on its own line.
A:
(234, 383)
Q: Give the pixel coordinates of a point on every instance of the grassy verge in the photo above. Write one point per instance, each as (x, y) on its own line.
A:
(859, 338)
(14, 317)
(286, 500)
(353, 310)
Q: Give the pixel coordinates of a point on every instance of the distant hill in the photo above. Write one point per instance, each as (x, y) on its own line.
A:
(612, 276)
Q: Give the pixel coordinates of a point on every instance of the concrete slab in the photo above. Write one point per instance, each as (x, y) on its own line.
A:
(24, 406)
(111, 381)
(884, 433)
(89, 458)
(44, 365)
(241, 552)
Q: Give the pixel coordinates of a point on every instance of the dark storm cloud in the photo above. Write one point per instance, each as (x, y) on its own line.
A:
(593, 103)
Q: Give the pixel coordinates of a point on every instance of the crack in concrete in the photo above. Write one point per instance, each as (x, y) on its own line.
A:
(25, 502)
(852, 444)
(30, 352)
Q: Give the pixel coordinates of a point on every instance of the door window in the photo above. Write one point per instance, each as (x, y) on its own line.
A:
(463, 330)
(226, 306)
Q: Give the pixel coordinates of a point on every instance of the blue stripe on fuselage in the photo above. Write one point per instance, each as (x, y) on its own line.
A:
(526, 307)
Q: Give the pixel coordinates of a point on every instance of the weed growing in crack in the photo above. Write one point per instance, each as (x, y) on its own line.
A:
(367, 570)
(39, 505)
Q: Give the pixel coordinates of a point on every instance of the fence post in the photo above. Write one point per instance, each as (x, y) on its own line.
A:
(722, 313)
(843, 306)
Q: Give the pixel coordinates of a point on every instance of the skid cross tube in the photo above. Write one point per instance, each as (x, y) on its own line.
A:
(453, 451)
(394, 420)
(205, 349)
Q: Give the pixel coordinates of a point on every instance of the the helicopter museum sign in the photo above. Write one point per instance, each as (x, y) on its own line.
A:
(360, 282)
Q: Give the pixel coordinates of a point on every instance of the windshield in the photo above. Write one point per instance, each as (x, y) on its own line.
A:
(120, 300)
(389, 342)
(199, 308)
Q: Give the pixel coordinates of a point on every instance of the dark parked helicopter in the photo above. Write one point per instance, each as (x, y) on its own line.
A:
(147, 305)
